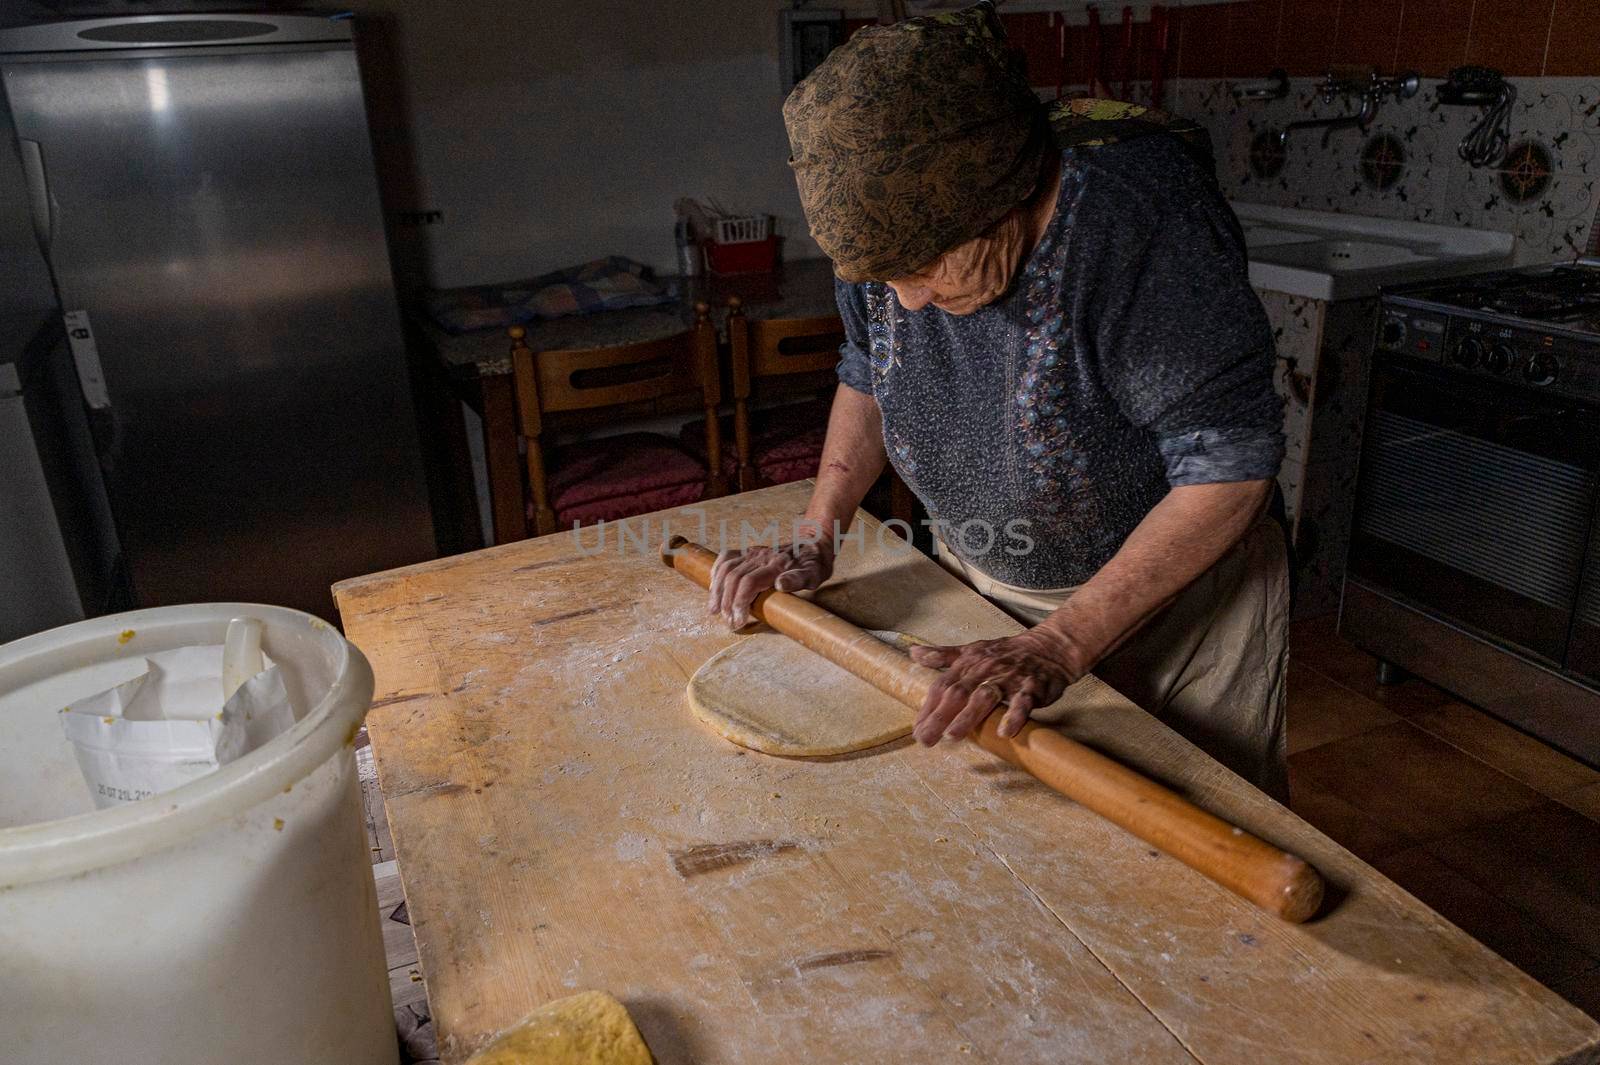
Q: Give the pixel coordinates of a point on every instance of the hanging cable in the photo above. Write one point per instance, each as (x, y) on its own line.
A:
(1487, 141)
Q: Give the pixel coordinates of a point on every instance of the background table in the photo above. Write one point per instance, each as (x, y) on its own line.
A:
(563, 822)
(477, 365)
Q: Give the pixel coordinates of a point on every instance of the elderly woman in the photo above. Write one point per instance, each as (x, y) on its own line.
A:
(1052, 339)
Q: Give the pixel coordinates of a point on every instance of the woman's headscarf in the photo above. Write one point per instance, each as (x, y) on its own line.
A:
(913, 138)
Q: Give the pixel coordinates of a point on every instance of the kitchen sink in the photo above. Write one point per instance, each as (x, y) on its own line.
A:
(1333, 256)
(1347, 255)
(1268, 237)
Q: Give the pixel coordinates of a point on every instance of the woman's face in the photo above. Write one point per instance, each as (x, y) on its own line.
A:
(963, 279)
(978, 272)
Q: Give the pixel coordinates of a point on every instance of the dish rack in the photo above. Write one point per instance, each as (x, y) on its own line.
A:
(743, 229)
(742, 244)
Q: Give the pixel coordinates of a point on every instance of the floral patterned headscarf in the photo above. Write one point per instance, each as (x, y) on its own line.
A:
(910, 139)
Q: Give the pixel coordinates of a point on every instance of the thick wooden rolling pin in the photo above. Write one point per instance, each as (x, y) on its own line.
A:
(1272, 879)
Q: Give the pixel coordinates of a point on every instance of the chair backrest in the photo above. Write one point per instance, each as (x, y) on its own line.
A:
(779, 347)
(767, 349)
(586, 379)
(572, 379)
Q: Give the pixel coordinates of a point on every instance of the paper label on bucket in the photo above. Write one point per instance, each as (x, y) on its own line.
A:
(169, 725)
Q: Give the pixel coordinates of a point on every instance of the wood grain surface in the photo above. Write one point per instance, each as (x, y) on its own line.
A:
(562, 822)
(1280, 883)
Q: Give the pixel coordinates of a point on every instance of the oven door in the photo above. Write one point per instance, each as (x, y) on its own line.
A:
(1475, 502)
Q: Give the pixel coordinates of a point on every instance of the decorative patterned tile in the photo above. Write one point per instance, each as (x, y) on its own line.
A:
(1297, 328)
(1322, 540)
(1405, 166)
(1555, 179)
(1343, 372)
(1322, 372)
(1333, 453)
(1555, 140)
(1383, 161)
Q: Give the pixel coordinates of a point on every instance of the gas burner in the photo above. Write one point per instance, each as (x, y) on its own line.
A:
(1566, 295)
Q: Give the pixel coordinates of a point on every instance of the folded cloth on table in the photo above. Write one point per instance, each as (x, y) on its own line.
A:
(608, 284)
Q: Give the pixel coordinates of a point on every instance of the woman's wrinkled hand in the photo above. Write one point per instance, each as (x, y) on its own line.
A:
(1022, 672)
(738, 577)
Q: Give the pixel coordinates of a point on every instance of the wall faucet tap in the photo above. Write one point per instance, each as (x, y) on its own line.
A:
(1401, 87)
(1332, 88)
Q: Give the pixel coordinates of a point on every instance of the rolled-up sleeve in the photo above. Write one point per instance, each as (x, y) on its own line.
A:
(855, 369)
(1181, 340)
(1214, 456)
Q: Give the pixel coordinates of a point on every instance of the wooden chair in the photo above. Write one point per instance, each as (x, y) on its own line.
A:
(800, 352)
(768, 353)
(627, 379)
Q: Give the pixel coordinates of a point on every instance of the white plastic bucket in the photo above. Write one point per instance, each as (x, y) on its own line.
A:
(230, 921)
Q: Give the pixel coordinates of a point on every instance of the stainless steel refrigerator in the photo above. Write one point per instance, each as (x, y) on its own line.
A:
(201, 188)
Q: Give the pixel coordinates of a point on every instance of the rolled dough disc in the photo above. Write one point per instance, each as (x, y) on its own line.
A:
(770, 694)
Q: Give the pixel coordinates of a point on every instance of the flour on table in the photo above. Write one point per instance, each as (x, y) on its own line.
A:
(770, 694)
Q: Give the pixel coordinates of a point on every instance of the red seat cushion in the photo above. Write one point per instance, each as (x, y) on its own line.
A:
(785, 442)
(619, 477)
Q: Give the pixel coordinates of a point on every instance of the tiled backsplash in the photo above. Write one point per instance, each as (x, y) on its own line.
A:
(1406, 166)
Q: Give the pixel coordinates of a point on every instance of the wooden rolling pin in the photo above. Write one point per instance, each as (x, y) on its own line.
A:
(1272, 879)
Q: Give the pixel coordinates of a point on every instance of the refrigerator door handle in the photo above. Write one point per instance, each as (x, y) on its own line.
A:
(86, 356)
(104, 425)
(39, 201)
(80, 334)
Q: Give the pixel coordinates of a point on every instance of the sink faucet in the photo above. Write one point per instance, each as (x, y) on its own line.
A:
(1402, 87)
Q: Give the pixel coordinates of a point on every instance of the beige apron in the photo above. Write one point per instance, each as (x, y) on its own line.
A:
(1211, 665)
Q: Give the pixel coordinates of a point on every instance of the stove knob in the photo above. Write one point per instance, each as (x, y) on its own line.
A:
(1469, 352)
(1499, 359)
(1541, 369)
(1393, 333)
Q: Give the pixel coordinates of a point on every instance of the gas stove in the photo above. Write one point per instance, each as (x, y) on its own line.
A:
(1566, 295)
(1536, 327)
(1475, 547)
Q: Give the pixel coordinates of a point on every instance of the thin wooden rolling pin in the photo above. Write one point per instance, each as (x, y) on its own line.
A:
(1272, 879)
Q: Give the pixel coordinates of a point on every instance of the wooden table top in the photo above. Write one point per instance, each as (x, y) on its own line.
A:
(801, 289)
(563, 822)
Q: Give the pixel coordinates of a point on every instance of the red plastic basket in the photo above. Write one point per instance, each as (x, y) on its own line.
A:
(743, 257)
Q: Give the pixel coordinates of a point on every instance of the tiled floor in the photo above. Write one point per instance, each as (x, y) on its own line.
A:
(1495, 830)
